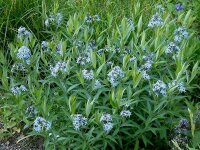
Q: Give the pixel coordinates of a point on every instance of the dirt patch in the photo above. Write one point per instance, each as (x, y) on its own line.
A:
(26, 144)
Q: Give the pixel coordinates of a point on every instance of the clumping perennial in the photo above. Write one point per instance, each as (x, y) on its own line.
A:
(41, 124)
(180, 34)
(83, 59)
(88, 74)
(23, 33)
(59, 66)
(172, 47)
(115, 75)
(24, 54)
(160, 88)
(17, 90)
(155, 21)
(125, 113)
(78, 121)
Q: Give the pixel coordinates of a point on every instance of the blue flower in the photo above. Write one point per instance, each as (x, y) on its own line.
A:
(179, 6)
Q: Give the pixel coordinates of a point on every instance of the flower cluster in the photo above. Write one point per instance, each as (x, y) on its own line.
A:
(103, 50)
(18, 67)
(23, 33)
(97, 84)
(160, 88)
(179, 6)
(24, 54)
(115, 75)
(83, 59)
(91, 46)
(17, 90)
(79, 44)
(180, 133)
(125, 113)
(59, 66)
(41, 124)
(106, 119)
(172, 48)
(155, 21)
(45, 45)
(90, 19)
(146, 66)
(88, 74)
(59, 48)
(160, 8)
(130, 22)
(180, 34)
(31, 110)
(78, 121)
(54, 19)
(133, 59)
(180, 86)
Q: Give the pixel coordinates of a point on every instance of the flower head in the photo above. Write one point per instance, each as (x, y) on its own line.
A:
(155, 21)
(23, 33)
(24, 54)
(171, 48)
(17, 90)
(88, 74)
(125, 113)
(97, 84)
(179, 6)
(180, 34)
(54, 19)
(83, 59)
(59, 67)
(78, 121)
(107, 127)
(115, 75)
(45, 45)
(41, 124)
(106, 117)
(160, 88)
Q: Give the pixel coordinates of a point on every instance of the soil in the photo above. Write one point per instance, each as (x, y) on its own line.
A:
(29, 143)
(26, 144)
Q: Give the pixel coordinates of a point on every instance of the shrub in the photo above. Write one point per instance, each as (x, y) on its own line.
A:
(96, 84)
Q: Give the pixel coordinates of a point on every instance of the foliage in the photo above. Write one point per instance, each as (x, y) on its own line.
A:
(95, 80)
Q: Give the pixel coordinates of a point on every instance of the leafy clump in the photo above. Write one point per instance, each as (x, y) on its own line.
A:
(95, 83)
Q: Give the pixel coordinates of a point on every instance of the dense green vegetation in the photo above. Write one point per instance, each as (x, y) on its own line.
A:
(102, 74)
